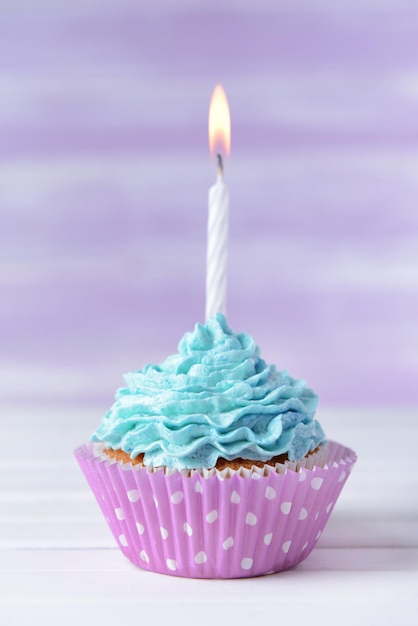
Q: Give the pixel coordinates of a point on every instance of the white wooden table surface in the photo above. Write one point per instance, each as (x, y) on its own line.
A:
(59, 563)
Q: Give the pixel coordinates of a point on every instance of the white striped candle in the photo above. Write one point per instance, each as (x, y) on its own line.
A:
(217, 247)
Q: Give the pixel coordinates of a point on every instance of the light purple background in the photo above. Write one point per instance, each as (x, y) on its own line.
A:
(104, 173)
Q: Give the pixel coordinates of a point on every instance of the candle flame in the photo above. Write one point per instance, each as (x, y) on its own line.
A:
(219, 123)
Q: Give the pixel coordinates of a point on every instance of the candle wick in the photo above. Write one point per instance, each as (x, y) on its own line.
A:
(220, 165)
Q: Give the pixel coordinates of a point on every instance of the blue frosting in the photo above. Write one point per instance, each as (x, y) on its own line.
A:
(215, 398)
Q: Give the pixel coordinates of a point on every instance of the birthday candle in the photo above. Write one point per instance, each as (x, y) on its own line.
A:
(217, 245)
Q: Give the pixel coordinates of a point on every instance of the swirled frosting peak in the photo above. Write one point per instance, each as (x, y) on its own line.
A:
(215, 398)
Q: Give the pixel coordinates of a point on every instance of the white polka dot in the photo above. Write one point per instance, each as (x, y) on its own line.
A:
(133, 495)
(316, 515)
(251, 519)
(198, 487)
(164, 532)
(228, 543)
(144, 556)
(212, 516)
(123, 540)
(329, 507)
(200, 558)
(188, 529)
(247, 563)
(305, 546)
(341, 477)
(303, 513)
(302, 475)
(286, 546)
(285, 507)
(155, 501)
(172, 564)
(140, 528)
(119, 513)
(235, 498)
(268, 538)
(316, 483)
(270, 493)
(177, 497)
(318, 535)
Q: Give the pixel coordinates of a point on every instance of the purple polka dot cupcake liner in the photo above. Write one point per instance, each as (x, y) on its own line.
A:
(218, 525)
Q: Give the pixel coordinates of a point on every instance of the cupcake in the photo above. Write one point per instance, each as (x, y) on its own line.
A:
(212, 464)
